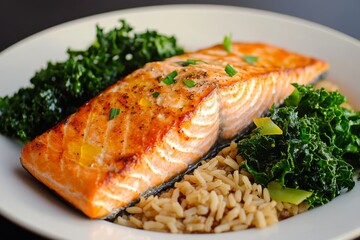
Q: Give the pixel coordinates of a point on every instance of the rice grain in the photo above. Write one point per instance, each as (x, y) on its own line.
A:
(218, 197)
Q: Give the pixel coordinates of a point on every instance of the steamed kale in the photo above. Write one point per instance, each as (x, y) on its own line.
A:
(318, 150)
(60, 88)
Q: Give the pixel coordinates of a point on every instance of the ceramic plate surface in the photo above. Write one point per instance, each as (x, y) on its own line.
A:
(28, 203)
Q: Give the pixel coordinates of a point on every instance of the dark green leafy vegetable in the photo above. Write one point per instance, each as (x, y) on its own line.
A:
(318, 150)
(60, 88)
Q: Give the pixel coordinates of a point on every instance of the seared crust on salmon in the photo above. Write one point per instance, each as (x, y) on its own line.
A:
(100, 163)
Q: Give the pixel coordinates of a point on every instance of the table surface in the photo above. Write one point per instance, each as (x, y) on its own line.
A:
(22, 18)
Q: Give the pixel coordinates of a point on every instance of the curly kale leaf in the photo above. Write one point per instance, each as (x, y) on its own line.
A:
(318, 150)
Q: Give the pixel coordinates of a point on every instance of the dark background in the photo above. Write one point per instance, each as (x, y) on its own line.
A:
(22, 18)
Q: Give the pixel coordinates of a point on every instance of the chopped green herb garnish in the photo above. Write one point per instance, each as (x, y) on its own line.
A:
(250, 59)
(227, 43)
(170, 78)
(190, 62)
(156, 94)
(189, 83)
(114, 112)
(230, 70)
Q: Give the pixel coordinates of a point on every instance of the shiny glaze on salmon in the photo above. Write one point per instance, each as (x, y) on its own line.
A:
(100, 165)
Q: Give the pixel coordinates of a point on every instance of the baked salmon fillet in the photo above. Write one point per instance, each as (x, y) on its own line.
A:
(150, 126)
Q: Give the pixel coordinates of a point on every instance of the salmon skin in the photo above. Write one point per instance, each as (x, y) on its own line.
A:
(156, 122)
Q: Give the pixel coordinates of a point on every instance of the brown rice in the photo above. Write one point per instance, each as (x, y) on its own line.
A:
(217, 197)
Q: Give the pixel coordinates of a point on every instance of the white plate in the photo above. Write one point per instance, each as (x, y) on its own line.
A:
(29, 204)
